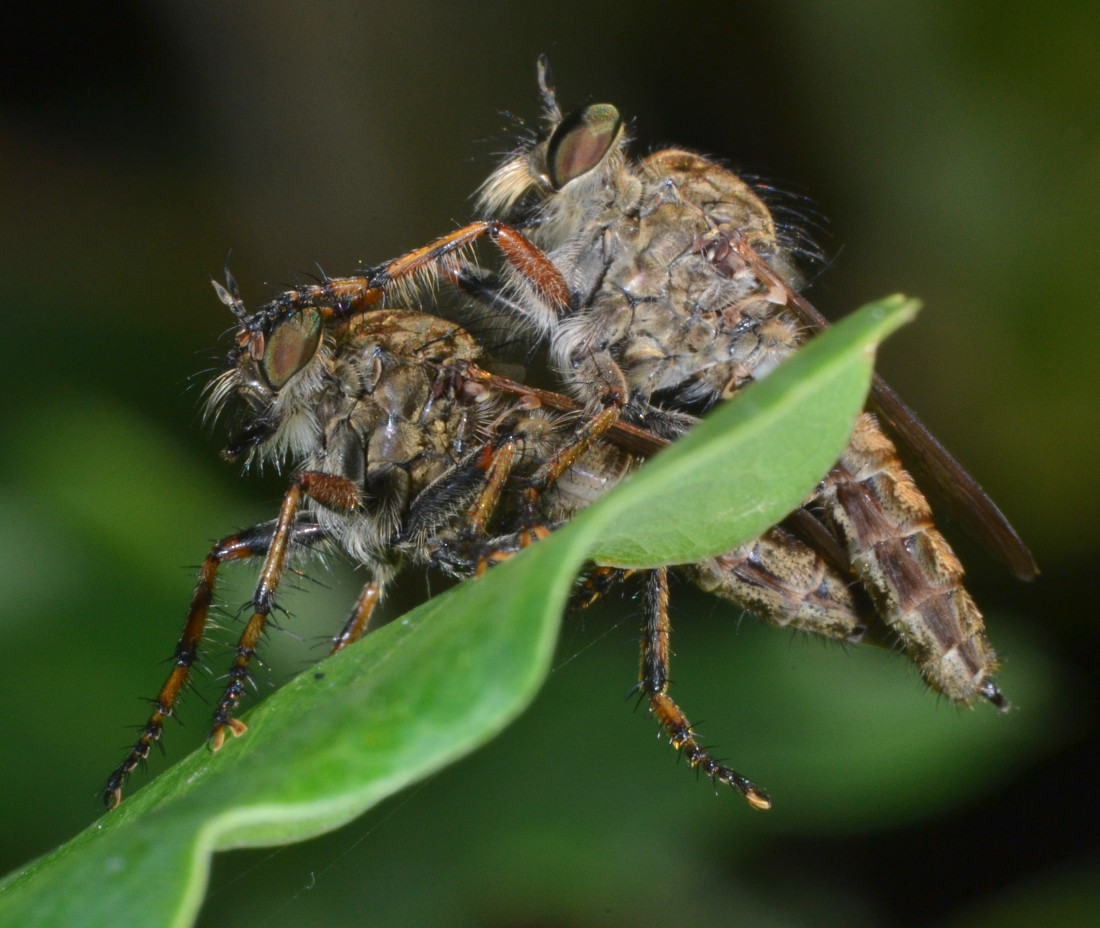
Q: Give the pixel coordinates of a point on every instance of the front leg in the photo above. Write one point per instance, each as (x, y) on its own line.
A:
(327, 489)
(446, 258)
(252, 542)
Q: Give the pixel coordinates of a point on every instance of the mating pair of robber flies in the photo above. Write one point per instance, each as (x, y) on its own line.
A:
(658, 286)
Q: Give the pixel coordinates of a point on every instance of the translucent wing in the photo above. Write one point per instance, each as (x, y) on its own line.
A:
(957, 491)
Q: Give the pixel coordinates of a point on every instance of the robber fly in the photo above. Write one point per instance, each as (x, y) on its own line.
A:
(404, 448)
(661, 285)
(394, 453)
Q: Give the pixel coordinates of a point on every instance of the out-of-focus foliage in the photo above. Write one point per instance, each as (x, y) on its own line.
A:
(954, 149)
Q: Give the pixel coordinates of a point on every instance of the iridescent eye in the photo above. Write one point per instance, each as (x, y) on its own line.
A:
(581, 142)
(290, 346)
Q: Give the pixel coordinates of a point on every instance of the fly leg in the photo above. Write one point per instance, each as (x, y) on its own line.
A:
(532, 523)
(343, 296)
(327, 489)
(253, 542)
(598, 584)
(444, 258)
(625, 435)
(565, 457)
(496, 462)
(358, 623)
(447, 258)
(654, 686)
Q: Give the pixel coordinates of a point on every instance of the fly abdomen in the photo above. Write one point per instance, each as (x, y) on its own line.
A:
(784, 581)
(907, 566)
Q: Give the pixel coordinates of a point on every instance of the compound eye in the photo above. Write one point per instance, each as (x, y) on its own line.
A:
(581, 142)
(290, 346)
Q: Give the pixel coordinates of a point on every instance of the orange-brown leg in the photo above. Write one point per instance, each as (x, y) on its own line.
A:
(497, 462)
(654, 684)
(343, 296)
(251, 543)
(328, 489)
(558, 463)
(598, 583)
(626, 436)
(445, 258)
(442, 259)
(358, 622)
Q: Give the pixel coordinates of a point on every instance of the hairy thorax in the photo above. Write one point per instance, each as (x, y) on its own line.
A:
(392, 420)
(661, 287)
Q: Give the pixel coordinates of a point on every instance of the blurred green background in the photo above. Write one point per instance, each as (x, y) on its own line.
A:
(954, 148)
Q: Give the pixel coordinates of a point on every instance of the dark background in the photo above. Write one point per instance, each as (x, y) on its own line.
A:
(954, 148)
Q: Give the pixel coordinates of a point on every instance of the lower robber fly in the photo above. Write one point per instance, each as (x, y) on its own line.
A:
(394, 454)
(661, 285)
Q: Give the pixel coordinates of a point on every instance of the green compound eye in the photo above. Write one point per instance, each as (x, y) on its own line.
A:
(581, 142)
(290, 346)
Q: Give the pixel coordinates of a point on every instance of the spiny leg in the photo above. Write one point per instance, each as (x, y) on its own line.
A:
(441, 259)
(598, 583)
(609, 419)
(345, 296)
(327, 489)
(654, 684)
(552, 468)
(485, 474)
(253, 542)
(495, 462)
(444, 258)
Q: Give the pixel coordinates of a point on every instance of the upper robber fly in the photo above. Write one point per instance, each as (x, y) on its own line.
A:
(661, 285)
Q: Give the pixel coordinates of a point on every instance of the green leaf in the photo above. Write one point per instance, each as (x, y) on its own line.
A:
(433, 685)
